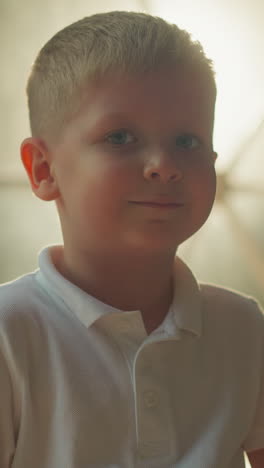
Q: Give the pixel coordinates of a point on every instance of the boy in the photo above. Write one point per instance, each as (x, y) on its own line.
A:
(112, 355)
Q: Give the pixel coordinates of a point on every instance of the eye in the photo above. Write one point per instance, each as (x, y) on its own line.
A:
(186, 141)
(120, 137)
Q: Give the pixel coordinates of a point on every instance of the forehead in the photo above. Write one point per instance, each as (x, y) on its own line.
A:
(167, 96)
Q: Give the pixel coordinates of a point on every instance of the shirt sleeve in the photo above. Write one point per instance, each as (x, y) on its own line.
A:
(7, 427)
(255, 438)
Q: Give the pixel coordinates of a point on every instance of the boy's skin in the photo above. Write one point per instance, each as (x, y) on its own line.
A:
(128, 190)
(118, 250)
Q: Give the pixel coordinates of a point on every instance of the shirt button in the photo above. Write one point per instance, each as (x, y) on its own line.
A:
(151, 398)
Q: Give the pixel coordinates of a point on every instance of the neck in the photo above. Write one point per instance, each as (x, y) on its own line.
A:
(127, 282)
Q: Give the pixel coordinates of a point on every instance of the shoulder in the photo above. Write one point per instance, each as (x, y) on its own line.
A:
(26, 322)
(17, 293)
(232, 314)
(227, 301)
(20, 301)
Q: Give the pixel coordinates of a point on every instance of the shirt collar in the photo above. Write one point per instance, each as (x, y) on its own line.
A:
(184, 313)
(187, 302)
(86, 307)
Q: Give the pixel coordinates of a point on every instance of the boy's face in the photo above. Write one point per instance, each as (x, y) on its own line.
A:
(135, 167)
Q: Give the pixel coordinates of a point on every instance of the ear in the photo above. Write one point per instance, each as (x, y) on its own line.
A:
(35, 158)
(215, 156)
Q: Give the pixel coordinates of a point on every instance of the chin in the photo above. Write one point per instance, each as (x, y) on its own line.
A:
(155, 242)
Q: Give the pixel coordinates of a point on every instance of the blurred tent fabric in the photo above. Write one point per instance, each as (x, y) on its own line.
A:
(229, 249)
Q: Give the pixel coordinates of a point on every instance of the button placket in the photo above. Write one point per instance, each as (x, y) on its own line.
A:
(151, 406)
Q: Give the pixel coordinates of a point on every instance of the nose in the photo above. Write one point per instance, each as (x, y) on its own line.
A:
(163, 167)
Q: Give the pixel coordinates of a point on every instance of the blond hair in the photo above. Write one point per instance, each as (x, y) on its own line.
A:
(117, 41)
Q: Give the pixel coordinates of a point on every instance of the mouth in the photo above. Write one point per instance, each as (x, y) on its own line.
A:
(158, 205)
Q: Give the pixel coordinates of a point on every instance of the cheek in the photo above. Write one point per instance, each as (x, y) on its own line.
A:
(102, 196)
(209, 190)
(212, 182)
(109, 181)
(204, 187)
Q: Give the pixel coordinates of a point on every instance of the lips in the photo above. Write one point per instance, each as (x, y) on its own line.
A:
(158, 204)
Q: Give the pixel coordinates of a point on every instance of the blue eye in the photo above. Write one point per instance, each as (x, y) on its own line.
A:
(186, 141)
(120, 137)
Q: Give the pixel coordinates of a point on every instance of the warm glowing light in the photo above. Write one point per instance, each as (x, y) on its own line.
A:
(227, 37)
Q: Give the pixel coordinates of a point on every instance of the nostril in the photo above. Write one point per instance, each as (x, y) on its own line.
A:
(164, 173)
(176, 176)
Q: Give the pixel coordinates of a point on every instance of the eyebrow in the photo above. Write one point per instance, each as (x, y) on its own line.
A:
(109, 121)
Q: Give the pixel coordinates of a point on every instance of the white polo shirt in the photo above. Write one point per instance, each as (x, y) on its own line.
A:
(82, 385)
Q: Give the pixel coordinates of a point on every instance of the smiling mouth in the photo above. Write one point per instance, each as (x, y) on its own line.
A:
(158, 204)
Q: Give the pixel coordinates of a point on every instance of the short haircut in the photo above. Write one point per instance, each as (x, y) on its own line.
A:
(117, 41)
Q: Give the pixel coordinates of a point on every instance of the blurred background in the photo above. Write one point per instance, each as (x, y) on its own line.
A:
(229, 249)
